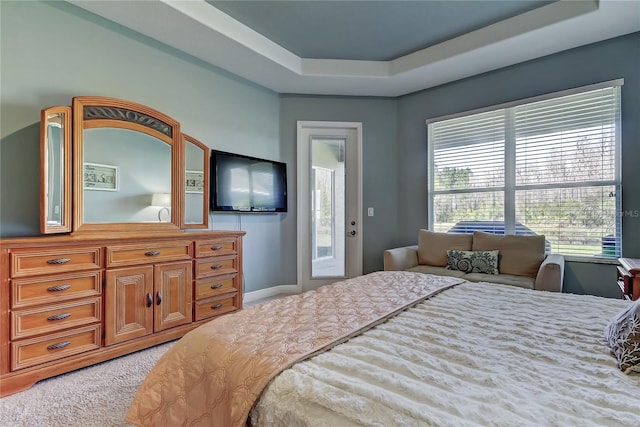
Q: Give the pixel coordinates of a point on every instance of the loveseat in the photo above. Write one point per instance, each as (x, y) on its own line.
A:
(482, 257)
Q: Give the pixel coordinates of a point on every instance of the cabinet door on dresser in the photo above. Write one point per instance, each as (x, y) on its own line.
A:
(174, 296)
(128, 308)
(147, 299)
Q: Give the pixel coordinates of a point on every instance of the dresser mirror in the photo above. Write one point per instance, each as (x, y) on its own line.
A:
(124, 154)
(196, 197)
(132, 170)
(123, 170)
(55, 165)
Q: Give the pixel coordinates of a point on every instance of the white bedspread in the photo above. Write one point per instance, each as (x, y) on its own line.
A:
(475, 355)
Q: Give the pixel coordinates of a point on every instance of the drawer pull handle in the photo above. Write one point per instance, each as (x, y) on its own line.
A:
(58, 288)
(159, 298)
(216, 266)
(149, 300)
(58, 260)
(217, 306)
(59, 316)
(152, 253)
(216, 248)
(60, 345)
(216, 286)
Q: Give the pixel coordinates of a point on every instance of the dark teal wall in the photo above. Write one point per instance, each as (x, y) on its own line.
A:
(608, 60)
(379, 154)
(395, 166)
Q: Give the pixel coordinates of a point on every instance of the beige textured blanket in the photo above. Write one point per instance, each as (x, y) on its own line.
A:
(476, 355)
(214, 375)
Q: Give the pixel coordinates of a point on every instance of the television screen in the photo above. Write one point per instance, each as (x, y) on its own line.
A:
(247, 184)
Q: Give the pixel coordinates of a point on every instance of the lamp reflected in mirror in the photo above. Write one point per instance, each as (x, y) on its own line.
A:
(162, 200)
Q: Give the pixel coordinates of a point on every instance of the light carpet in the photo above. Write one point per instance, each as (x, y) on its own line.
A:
(97, 396)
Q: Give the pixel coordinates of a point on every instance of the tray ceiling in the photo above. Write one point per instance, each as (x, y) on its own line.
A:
(369, 48)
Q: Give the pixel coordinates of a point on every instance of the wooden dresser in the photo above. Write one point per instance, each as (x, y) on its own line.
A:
(68, 302)
(629, 278)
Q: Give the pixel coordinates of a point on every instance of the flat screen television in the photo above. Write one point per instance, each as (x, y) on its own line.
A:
(247, 184)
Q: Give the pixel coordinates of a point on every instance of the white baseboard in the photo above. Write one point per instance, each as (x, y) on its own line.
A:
(270, 292)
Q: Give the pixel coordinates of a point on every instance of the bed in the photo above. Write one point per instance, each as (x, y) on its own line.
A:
(398, 349)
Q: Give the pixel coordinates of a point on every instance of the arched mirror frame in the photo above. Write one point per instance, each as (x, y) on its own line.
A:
(94, 112)
(49, 164)
(187, 139)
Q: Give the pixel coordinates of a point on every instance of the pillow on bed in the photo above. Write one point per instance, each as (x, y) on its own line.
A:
(473, 261)
(623, 336)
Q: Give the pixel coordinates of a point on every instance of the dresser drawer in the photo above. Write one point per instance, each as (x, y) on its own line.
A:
(52, 289)
(35, 351)
(50, 318)
(123, 255)
(34, 262)
(216, 247)
(215, 306)
(216, 266)
(216, 285)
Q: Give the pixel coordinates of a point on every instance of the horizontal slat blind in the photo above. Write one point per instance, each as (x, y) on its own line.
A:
(568, 139)
(566, 182)
(481, 138)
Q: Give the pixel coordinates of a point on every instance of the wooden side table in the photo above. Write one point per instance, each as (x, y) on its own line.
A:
(629, 278)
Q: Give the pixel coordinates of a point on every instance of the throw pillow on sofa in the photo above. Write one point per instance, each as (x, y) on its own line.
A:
(473, 261)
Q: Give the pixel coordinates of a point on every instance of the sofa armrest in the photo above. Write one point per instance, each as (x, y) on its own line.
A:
(399, 259)
(550, 274)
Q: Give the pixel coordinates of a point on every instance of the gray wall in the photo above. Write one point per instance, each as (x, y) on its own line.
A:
(52, 52)
(608, 60)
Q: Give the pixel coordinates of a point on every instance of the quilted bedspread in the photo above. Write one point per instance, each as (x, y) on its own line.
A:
(215, 373)
(476, 355)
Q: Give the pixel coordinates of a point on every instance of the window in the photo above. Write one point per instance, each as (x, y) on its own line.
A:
(548, 165)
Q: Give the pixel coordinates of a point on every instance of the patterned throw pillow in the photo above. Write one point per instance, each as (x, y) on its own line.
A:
(623, 336)
(473, 261)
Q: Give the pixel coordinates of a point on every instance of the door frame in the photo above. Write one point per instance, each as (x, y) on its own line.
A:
(303, 159)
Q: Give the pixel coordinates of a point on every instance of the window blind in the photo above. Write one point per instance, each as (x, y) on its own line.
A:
(546, 167)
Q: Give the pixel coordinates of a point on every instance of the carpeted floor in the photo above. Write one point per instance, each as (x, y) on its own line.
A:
(97, 396)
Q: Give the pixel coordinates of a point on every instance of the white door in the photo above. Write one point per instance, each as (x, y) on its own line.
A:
(329, 202)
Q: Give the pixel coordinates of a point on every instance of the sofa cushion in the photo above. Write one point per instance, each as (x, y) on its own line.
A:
(432, 246)
(503, 279)
(440, 271)
(519, 255)
(473, 261)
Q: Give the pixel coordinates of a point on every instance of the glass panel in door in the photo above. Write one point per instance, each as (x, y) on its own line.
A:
(328, 215)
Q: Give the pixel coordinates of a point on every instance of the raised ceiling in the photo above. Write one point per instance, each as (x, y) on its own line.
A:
(372, 30)
(369, 48)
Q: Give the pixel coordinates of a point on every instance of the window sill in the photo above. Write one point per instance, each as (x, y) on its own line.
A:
(591, 260)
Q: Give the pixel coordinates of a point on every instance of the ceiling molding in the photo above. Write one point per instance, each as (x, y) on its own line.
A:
(201, 30)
